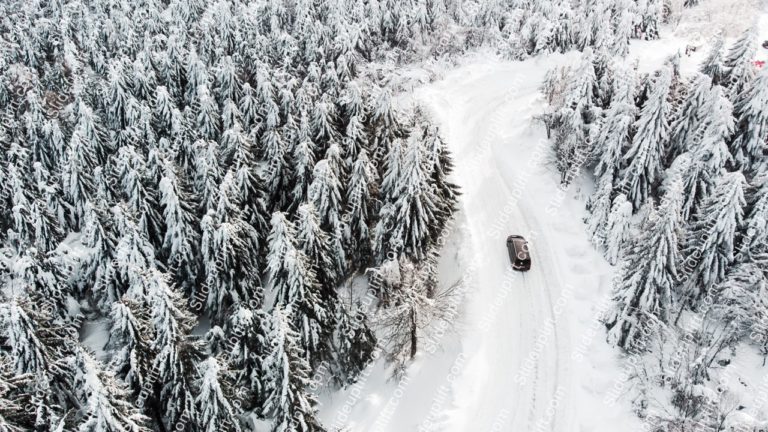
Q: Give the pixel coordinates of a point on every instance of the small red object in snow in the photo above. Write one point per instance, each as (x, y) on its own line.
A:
(760, 63)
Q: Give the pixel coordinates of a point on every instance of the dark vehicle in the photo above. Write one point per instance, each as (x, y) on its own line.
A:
(765, 44)
(518, 253)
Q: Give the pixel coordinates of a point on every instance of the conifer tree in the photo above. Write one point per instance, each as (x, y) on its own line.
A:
(33, 119)
(739, 70)
(143, 77)
(42, 350)
(615, 132)
(129, 344)
(247, 332)
(50, 211)
(248, 106)
(754, 233)
(416, 205)
(98, 268)
(13, 416)
(583, 89)
(139, 199)
(234, 141)
(294, 285)
(43, 274)
(181, 240)
(315, 245)
(133, 251)
(353, 342)
(162, 109)
(740, 301)
(169, 67)
(207, 174)
(207, 120)
(337, 162)
(227, 82)
(360, 208)
(230, 116)
(599, 206)
(644, 290)
(326, 195)
(52, 145)
(276, 172)
(709, 151)
(604, 74)
(691, 115)
(383, 113)
(355, 137)
(155, 166)
(196, 76)
(89, 126)
(643, 160)
(623, 31)
(248, 192)
(617, 228)
(719, 127)
(710, 241)
(440, 166)
(118, 93)
(176, 353)
(325, 192)
(76, 177)
(650, 12)
(751, 110)
(231, 266)
(713, 63)
(392, 164)
(289, 401)
(573, 119)
(106, 407)
(22, 232)
(214, 406)
(30, 354)
(303, 161)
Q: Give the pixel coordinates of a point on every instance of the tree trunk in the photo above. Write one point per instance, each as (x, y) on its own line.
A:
(414, 337)
(680, 312)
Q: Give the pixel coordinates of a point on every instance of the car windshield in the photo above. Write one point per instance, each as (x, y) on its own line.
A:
(521, 248)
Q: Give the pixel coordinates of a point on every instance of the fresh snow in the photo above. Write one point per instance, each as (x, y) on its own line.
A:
(528, 352)
(531, 355)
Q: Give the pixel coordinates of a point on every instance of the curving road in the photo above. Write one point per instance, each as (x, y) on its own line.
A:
(516, 378)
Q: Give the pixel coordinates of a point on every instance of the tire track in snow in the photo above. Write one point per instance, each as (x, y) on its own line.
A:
(542, 299)
(548, 278)
(515, 332)
(497, 347)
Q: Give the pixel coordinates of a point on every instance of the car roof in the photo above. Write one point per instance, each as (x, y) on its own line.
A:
(520, 249)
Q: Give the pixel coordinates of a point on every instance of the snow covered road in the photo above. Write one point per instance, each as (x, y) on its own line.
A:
(513, 374)
(529, 354)
(519, 330)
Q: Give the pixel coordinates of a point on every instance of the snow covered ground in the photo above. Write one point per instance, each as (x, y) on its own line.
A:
(530, 355)
(529, 352)
(524, 328)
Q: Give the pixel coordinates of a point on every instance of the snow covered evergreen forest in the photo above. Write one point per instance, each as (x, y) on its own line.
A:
(681, 207)
(233, 194)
